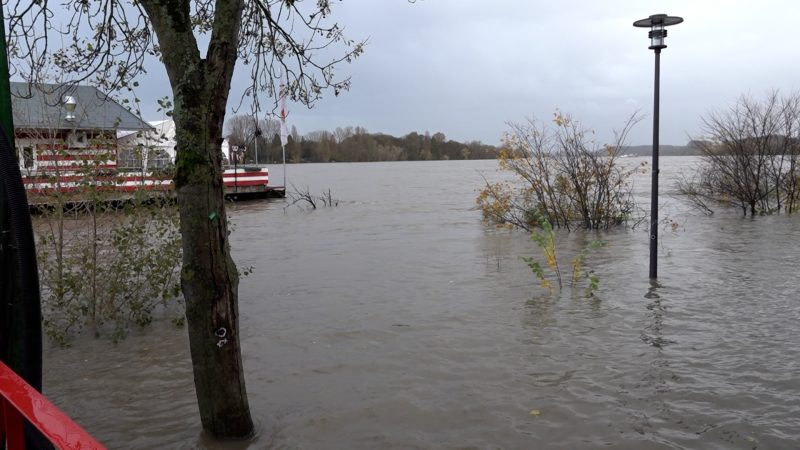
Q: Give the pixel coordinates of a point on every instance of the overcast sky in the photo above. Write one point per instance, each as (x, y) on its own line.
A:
(467, 67)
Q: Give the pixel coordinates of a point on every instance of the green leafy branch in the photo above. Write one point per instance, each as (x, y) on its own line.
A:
(546, 241)
(579, 273)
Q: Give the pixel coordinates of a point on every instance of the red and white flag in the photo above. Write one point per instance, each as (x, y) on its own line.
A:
(283, 113)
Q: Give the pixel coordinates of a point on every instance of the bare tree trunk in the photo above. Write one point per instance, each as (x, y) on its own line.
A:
(209, 278)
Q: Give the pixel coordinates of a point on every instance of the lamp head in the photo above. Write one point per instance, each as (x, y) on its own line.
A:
(657, 24)
(69, 105)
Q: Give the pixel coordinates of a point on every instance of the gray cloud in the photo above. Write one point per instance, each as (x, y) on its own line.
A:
(466, 67)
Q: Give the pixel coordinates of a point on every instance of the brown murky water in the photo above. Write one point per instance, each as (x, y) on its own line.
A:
(398, 320)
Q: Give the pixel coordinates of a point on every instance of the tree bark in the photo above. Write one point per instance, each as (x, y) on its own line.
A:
(209, 279)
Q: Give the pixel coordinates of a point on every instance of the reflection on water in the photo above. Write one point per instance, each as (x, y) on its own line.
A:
(398, 320)
(653, 333)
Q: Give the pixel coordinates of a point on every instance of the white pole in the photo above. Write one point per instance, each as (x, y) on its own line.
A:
(256, 147)
(284, 131)
(283, 148)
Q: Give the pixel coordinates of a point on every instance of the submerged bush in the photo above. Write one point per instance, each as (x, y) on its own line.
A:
(106, 269)
(751, 157)
(562, 175)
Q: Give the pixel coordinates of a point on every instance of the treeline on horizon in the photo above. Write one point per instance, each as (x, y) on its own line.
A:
(694, 147)
(347, 144)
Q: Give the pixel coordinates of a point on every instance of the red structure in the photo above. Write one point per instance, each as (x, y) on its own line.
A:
(21, 401)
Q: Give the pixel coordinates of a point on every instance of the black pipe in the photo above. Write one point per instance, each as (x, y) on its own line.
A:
(20, 310)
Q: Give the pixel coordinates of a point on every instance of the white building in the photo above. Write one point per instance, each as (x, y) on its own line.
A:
(159, 143)
(151, 149)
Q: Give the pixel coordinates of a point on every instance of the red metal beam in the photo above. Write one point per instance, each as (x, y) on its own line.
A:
(21, 400)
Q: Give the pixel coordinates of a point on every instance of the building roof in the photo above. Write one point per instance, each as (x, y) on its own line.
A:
(41, 106)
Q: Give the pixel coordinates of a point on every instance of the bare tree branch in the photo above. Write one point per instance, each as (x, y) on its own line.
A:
(106, 42)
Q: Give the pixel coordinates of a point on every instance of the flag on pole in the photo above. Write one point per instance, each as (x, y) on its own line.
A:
(283, 112)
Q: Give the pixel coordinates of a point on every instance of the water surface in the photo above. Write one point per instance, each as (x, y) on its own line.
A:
(399, 320)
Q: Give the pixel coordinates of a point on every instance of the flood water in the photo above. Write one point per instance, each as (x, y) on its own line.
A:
(398, 320)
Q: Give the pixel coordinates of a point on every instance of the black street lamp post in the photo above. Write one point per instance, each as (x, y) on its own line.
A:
(657, 34)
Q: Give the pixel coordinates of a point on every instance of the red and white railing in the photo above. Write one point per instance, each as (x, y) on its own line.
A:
(43, 183)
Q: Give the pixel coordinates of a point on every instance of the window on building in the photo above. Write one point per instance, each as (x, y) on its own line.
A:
(130, 158)
(158, 159)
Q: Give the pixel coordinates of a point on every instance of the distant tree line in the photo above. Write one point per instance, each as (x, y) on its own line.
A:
(346, 144)
(689, 149)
